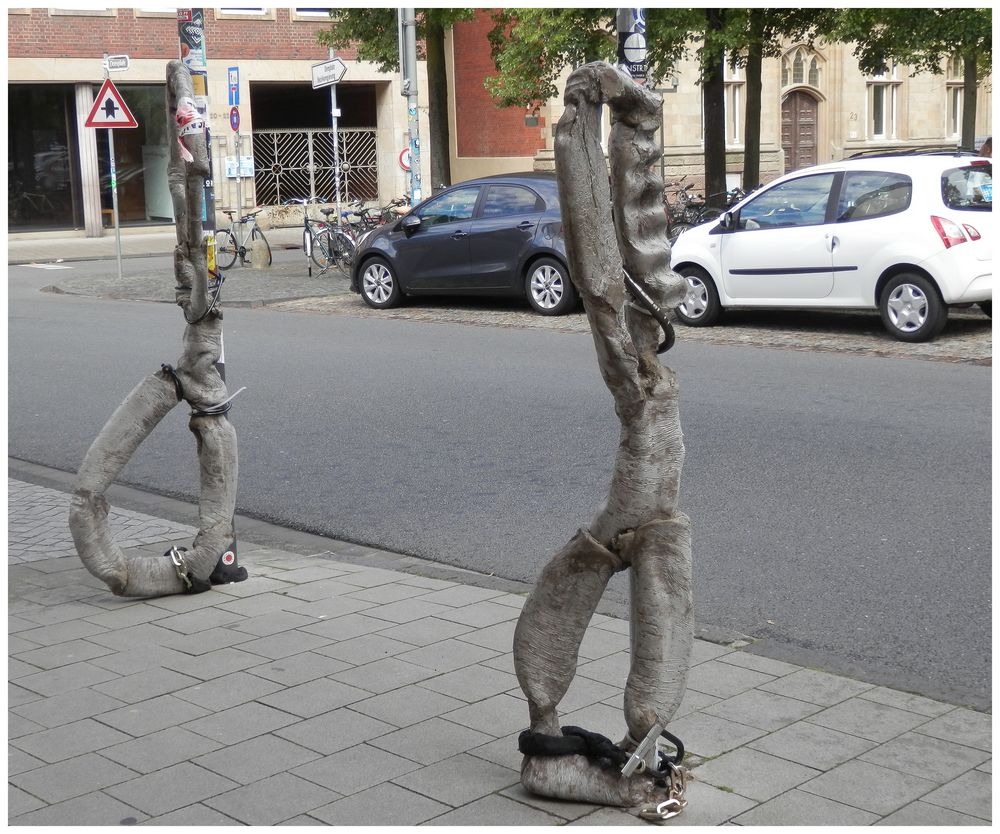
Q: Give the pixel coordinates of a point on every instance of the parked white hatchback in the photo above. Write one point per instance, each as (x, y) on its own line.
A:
(908, 235)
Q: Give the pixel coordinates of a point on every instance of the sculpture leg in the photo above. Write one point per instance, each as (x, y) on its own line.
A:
(217, 456)
(551, 626)
(662, 623)
(145, 406)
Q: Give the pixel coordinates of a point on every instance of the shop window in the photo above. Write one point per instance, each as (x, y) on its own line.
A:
(43, 187)
(141, 157)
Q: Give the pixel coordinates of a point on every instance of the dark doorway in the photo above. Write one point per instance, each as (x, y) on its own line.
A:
(799, 125)
(278, 106)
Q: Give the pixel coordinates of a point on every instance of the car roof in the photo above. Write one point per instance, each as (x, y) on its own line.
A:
(916, 163)
(535, 176)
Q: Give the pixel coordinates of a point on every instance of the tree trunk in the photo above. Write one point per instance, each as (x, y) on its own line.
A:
(751, 120)
(969, 103)
(639, 527)
(713, 92)
(196, 379)
(437, 107)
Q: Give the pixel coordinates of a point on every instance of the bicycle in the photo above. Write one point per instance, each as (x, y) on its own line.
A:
(231, 244)
(326, 245)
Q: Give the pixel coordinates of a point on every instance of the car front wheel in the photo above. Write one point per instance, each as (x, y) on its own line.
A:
(700, 307)
(548, 287)
(912, 310)
(986, 307)
(379, 287)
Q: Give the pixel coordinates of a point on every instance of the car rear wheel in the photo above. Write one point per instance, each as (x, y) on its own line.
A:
(379, 287)
(548, 287)
(700, 307)
(912, 310)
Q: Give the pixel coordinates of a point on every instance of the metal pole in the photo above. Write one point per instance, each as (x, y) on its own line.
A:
(114, 183)
(631, 25)
(409, 24)
(334, 115)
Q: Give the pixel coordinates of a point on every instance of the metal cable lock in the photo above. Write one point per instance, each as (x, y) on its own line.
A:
(639, 292)
(214, 287)
(169, 369)
(192, 584)
(219, 408)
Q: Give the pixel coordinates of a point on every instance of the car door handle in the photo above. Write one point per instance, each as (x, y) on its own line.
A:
(832, 242)
(459, 235)
(524, 225)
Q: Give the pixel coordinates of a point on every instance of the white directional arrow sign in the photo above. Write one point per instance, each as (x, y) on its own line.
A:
(327, 73)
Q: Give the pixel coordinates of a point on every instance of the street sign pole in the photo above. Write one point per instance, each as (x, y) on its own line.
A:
(334, 115)
(408, 28)
(114, 185)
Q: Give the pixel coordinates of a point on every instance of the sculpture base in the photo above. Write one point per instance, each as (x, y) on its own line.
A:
(581, 779)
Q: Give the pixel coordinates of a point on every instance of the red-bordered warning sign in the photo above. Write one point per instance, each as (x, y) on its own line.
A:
(109, 109)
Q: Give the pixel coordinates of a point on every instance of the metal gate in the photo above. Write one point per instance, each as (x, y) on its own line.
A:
(292, 164)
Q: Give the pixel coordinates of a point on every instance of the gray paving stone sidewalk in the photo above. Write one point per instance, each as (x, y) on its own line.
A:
(345, 688)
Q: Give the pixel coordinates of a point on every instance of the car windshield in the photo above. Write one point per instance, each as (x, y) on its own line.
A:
(968, 187)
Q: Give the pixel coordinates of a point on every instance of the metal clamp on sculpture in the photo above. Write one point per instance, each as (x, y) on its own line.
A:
(619, 258)
(195, 379)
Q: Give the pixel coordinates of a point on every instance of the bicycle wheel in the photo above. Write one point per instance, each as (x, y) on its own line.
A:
(708, 214)
(225, 249)
(255, 235)
(321, 248)
(343, 252)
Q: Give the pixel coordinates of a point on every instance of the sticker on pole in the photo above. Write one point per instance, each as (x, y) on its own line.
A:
(109, 109)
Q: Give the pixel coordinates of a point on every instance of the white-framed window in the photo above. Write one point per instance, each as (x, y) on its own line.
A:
(882, 98)
(311, 12)
(86, 11)
(155, 11)
(244, 13)
(955, 91)
(735, 84)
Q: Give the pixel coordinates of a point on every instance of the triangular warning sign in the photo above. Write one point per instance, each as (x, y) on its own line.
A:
(109, 109)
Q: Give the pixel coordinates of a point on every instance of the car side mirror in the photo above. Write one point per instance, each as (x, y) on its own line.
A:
(410, 223)
(728, 221)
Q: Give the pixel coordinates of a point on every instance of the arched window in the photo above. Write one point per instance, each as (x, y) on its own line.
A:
(954, 86)
(801, 66)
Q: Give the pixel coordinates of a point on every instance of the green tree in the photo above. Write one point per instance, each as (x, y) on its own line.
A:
(922, 39)
(374, 33)
(751, 36)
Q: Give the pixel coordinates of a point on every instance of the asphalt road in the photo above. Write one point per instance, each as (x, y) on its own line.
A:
(841, 504)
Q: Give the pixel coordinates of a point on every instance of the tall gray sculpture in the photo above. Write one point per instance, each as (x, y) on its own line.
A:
(619, 258)
(195, 379)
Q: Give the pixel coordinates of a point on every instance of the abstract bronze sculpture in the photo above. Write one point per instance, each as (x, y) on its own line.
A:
(619, 258)
(196, 379)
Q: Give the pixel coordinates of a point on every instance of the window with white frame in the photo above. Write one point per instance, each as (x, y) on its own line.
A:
(954, 87)
(735, 85)
(882, 98)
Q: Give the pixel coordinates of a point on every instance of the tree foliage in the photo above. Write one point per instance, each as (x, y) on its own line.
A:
(920, 38)
(374, 33)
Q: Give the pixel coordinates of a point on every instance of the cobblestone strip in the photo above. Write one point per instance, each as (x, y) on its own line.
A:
(968, 337)
(38, 526)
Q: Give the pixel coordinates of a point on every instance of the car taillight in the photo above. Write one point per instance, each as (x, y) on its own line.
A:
(971, 231)
(950, 233)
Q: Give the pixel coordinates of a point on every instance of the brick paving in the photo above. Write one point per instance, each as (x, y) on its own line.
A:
(349, 686)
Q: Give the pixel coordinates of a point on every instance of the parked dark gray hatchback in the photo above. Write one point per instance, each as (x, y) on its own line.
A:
(498, 235)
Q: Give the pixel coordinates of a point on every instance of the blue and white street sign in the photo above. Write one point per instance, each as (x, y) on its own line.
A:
(234, 86)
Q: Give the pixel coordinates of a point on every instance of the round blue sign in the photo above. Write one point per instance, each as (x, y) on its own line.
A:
(234, 118)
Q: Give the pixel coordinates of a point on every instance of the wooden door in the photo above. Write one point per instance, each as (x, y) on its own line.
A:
(798, 130)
